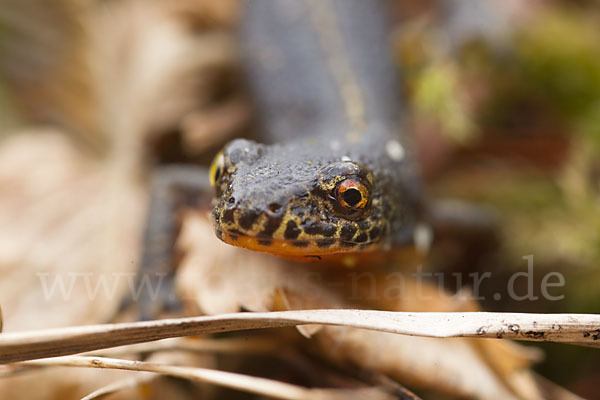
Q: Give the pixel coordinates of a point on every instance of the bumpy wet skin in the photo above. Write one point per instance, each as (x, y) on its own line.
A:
(269, 201)
(337, 177)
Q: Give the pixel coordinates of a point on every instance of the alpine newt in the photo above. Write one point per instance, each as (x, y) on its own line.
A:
(333, 173)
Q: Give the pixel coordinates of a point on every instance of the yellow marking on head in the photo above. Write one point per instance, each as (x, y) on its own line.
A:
(216, 169)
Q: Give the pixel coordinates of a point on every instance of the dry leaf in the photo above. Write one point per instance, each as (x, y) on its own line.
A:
(45, 68)
(506, 361)
(218, 278)
(69, 236)
(110, 74)
(65, 219)
(150, 69)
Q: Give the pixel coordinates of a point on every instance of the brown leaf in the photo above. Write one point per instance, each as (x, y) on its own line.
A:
(217, 278)
(64, 218)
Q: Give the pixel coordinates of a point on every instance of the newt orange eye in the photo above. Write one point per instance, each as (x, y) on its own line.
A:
(352, 194)
(216, 169)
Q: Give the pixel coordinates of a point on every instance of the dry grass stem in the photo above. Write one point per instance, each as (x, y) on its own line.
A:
(251, 384)
(579, 329)
(257, 345)
(118, 386)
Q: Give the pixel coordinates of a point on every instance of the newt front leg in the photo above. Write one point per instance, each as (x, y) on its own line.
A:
(173, 189)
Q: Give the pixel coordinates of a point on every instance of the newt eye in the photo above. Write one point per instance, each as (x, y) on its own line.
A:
(352, 194)
(216, 169)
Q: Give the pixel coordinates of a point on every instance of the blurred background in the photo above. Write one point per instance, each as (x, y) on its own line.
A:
(502, 97)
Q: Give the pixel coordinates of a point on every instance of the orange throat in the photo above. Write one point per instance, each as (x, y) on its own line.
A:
(299, 249)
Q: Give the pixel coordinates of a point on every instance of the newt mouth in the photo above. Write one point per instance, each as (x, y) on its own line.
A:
(294, 248)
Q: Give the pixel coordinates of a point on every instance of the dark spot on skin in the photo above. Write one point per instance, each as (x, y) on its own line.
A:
(347, 232)
(534, 334)
(234, 237)
(364, 225)
(229, 217)
(596, 336)
(231, 200)
(317, 228)
(361, 238)
(219, 234)
(235, 232)
(325, 243)
(265, 242)
(270, 227)
(329, 230)
(514, 328)
(374, 233)
(300, 243)
(311, 227)
(291, 231)
(347, 244)
(586, 334)
(248, 218)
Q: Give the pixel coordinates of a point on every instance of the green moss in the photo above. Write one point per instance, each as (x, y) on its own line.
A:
(436, 93)
(559, 53)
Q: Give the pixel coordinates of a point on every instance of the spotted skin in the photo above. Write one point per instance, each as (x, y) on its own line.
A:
(324, 180)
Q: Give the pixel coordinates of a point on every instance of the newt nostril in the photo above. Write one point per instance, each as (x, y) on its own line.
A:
(231, 202)
(274, 208)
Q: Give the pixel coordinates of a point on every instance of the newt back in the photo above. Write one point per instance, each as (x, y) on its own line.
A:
(334, 172)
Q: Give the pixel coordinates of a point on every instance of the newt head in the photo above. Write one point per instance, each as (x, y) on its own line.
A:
(296, 200)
